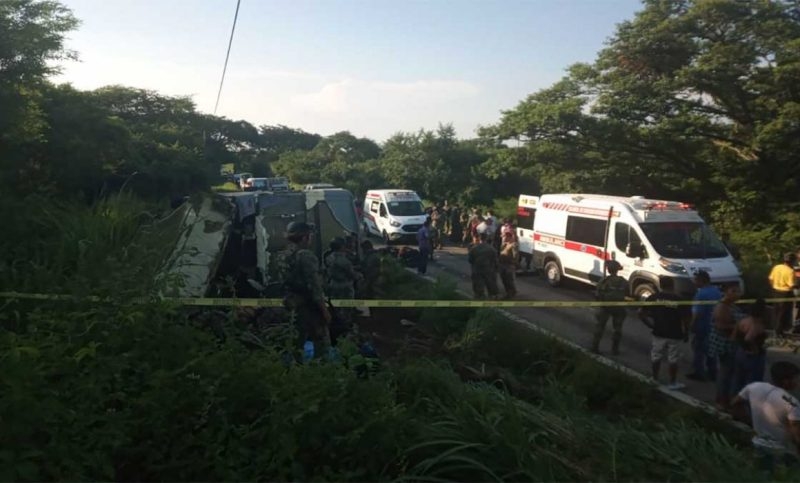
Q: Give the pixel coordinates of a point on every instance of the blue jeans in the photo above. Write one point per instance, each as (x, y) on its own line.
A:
(422, 263)
(749, 368)
(725, 379)
(702, 363)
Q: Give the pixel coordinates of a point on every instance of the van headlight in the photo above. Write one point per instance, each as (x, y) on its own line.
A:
(672, 267)
(395, 224)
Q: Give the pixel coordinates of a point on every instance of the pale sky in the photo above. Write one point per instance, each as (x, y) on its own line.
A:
(373, 67)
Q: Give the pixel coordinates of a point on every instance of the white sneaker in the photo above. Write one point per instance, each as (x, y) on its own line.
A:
(677, 386)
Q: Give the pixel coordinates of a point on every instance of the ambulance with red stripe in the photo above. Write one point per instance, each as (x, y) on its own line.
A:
(393, 214)
(660, 244)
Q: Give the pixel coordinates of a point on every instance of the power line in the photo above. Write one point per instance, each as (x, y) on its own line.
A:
(227, 55)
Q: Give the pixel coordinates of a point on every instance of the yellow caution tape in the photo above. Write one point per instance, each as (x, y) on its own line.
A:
(248, 302)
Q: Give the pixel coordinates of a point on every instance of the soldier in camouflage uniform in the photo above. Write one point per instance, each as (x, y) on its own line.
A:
(483, 260)
(613, 288)
(370, 269)
(341, 278)
(298, 269)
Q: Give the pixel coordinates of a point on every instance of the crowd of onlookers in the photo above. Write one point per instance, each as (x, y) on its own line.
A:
(728, 342)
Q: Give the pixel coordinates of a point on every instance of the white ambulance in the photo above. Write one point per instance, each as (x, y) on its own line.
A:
(526, 214)
(393, 214)
(660, 244)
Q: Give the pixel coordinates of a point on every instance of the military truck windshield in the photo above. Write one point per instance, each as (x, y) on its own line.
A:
(405, 208)
(684, 240)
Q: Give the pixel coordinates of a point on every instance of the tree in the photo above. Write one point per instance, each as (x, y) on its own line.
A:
(31, 38)
(434, 163)
(693, 99)
(340, 159)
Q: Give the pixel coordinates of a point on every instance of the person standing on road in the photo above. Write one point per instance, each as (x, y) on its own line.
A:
(704, 367)
(509, 254)
(370, 269)
(613, 288)
(446, 227)
(775, 414)
(783, 282)
(455, 224)
(750, 336)
(466, 231)
(341, 279)
(439, 224)
(670, 325)
(425, 246)
(298, 269)
(721, 345)
(483, 261)
(507, 228)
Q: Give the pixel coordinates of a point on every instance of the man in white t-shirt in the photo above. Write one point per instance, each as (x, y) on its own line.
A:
(775, 414)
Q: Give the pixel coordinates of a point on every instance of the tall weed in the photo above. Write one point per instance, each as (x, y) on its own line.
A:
(110, 248)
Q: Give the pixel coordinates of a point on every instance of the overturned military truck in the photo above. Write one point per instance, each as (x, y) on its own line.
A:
(258, 233)
(224, 242)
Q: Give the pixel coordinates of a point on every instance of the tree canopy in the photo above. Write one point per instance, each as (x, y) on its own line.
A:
(692, 99)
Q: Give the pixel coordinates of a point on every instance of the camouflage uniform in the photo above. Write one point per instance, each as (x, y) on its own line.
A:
(508, 267)
(371, 270)
(438, 218)
(341, 278)
(613, 288)
(483, 259)
(298, 269)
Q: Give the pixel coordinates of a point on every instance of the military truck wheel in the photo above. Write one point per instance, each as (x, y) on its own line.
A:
(552, 272)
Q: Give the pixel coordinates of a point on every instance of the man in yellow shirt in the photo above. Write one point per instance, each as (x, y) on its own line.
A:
(783, 281)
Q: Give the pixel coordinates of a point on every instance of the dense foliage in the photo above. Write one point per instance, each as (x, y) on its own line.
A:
(149, 392)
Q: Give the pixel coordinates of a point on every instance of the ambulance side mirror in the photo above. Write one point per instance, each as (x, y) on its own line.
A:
(635, 250)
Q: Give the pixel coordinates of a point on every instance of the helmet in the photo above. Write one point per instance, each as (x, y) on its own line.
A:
(613, 266)
(299, 228)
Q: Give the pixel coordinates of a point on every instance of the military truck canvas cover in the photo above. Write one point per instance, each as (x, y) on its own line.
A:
(341, 203)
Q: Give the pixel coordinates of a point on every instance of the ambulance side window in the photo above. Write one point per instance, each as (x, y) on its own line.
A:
(626, 238)
(383, 211)
(587, 231)
(374, 206)
(525, 217)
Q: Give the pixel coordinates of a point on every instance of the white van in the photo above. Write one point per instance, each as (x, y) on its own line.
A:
(392, 214)
(660, 244)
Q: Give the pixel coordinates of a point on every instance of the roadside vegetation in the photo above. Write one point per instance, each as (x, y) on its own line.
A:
(151, 391)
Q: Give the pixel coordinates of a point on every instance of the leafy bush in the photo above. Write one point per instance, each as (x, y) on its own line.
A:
(110, 248)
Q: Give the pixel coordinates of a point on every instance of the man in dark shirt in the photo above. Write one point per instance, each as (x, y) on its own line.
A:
(670, 324)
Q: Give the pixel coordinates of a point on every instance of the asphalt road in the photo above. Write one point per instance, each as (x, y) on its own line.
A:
(577, 324)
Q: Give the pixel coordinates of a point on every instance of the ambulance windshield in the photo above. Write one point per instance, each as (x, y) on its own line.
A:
(405, 208)
(684, 240)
